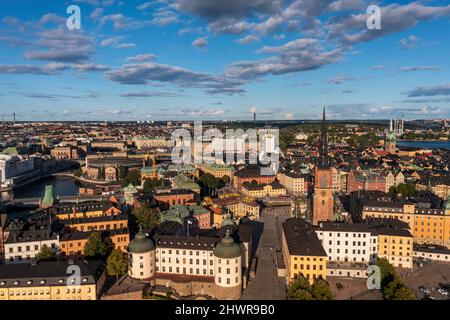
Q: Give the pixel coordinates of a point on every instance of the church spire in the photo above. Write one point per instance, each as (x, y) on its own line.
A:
(323, 151)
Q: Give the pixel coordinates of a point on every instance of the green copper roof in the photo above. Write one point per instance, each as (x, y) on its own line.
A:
(140, 243)
(130, 189)
(48, 199)
(227, 248)
(447, 204)
(228, 221)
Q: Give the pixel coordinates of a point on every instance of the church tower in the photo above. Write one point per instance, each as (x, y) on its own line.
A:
(323, 201)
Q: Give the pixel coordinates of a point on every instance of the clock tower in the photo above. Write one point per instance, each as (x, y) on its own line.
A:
(323, 201)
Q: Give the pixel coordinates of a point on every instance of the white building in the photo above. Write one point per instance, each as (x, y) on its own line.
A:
(13, 165)
(348, 242)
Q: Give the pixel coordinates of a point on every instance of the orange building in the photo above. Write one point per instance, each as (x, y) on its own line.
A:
(177, 197)
(250, 174)
(73, 243)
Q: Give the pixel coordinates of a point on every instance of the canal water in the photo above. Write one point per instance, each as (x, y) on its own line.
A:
(62, 186)
(425, 144)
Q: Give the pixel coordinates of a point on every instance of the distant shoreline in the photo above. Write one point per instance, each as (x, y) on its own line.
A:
(424, 140)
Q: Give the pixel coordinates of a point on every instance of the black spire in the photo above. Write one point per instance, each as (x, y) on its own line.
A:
(323, 151)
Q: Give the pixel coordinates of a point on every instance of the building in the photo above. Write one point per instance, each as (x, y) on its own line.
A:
(12, 165)
(176, 197)
(145, 143)
(52, 280)
(141, 257)
(396, 245)
(26, 238)
(73, 243)
(348, 242)
(207, 266)
(238, 206)
(192, 217)
(250, 174)
(295, 183)
(3, 236)
(428, 225)
(65, 152)
(254, 190)
(183, 182)
(390, 143)
(217, 170)
(302, 250)
(365, 180)
(111, 168)
(393, 179)
(323, 201)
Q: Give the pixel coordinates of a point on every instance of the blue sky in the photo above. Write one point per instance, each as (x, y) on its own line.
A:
(209, 59)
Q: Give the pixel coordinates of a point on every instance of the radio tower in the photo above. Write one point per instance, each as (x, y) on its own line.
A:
(14, 118)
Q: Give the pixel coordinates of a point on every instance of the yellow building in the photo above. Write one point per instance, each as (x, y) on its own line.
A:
(431, 226)
(84, 210)
(296, 184)
(238, 206)
(217, 170)
(274, 189)
(52, 280)
(396, 245)
(303, 253)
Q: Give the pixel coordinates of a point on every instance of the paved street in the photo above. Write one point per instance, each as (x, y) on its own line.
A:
(267, 285)
(429, 276)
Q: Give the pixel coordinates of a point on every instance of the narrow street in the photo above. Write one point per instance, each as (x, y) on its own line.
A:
(267, 285)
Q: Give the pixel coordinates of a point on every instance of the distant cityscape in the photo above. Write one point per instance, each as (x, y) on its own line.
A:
(109, 199)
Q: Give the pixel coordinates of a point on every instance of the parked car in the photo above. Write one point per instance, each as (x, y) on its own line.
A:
(424, 290)
(442, 291)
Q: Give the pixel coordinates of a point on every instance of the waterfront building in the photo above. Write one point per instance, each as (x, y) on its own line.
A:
(12, 165)
(52, 280)
(302, 250)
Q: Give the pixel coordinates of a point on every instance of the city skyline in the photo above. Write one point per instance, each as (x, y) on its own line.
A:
(203, 60)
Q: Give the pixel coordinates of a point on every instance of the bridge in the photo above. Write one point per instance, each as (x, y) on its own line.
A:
(62, 199)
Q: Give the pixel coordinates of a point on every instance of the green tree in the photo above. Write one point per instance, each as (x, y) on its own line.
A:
(151, 184)
(301, 294)
(132, 177)
(225, 179)
(210, 182)
(95, 246)
(116, 264)
(387, 271)
(45, 254)
(300, 283)
(145, 216)
(396, 290)
(321, 291)
(77, 173)
(122, 172)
